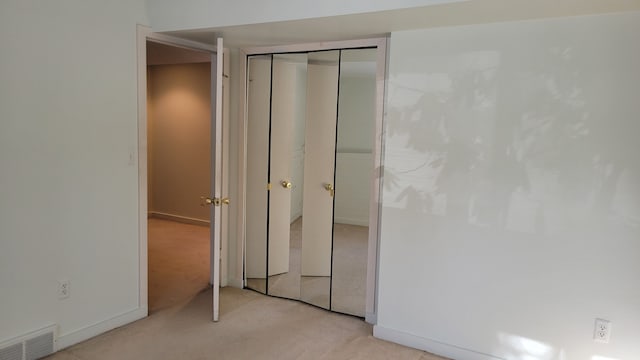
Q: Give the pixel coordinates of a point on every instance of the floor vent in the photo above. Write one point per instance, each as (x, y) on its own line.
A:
(12, 352)
(32, 346)
(38, 347)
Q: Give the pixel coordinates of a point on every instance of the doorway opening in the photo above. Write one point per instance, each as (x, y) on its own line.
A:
(178, 173)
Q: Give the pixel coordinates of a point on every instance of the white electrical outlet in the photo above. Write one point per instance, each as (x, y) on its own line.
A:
(64, 289)
(602, 331)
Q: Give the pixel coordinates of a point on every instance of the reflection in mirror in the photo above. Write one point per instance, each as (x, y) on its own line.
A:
(259, 88)
(354, 166)
(288, 103)
(319, 159)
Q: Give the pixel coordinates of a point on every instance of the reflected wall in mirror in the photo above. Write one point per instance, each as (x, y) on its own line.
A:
(319, 159)
(258, 105)
(354, 168)
(288, 104)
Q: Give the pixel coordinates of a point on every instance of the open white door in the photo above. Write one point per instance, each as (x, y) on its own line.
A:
(217, 201)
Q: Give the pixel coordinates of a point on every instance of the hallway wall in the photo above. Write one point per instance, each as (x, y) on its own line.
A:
(179, 141)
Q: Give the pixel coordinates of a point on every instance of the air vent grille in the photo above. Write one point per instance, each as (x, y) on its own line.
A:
(39, 346)
(11, 352)
(32, 346)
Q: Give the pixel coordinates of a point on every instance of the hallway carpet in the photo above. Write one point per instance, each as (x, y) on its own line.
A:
(178, 262)
(251, 326)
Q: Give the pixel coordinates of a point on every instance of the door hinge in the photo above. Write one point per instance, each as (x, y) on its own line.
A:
(269, 186)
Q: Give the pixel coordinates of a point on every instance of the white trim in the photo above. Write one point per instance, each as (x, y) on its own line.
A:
(371, 318)
(429, 345)
(318, 46)
(224, 229)
(241, 269)
(178, 218)
(236, 283)
(87, 332)
(142, 33)
(350, 221)
(375, 197)
(179, 42)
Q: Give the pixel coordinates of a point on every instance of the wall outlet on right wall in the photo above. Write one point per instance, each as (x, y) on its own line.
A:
(602, 331)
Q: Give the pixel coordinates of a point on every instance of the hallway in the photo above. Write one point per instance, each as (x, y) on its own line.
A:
(178, 262)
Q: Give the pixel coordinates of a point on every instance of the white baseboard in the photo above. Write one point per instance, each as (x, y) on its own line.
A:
(178, 218)
(371, 318)
(428, 345)
(351, 221)
(236, 283)
(77, 336)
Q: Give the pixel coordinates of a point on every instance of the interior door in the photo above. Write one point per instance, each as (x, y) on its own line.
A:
(216, 176)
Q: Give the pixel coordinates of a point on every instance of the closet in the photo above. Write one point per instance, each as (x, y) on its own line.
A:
(311, 120)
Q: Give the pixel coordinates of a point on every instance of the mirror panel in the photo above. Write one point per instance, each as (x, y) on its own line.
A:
(319, 158)
(288, 103)
(354, 166)
(258, 105)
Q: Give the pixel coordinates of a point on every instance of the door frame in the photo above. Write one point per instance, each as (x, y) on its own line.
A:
(376, 180)
(144, 34)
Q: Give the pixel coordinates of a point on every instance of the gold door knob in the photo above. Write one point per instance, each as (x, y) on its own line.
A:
(330, 189)
(211, 201)
(285, 184)
(226, 201)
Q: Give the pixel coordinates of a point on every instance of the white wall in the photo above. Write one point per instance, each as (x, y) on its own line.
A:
(179, 144)
(68, 160)
(167, 15)
(511, 214)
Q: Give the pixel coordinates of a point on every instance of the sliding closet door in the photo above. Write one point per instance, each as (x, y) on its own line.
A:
(320, 139)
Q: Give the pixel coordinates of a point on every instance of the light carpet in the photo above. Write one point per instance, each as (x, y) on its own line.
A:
(251, 326)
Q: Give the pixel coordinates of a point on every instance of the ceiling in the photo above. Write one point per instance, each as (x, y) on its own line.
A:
(378, 24)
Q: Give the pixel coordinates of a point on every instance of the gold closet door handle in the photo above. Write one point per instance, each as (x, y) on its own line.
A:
(330, 189)
(286, 184)
(226, 201)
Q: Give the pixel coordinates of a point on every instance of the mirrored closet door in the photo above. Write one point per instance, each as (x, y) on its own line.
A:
(310, 130)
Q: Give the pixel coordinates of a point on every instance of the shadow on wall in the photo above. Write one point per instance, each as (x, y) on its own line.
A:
(466, 143)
